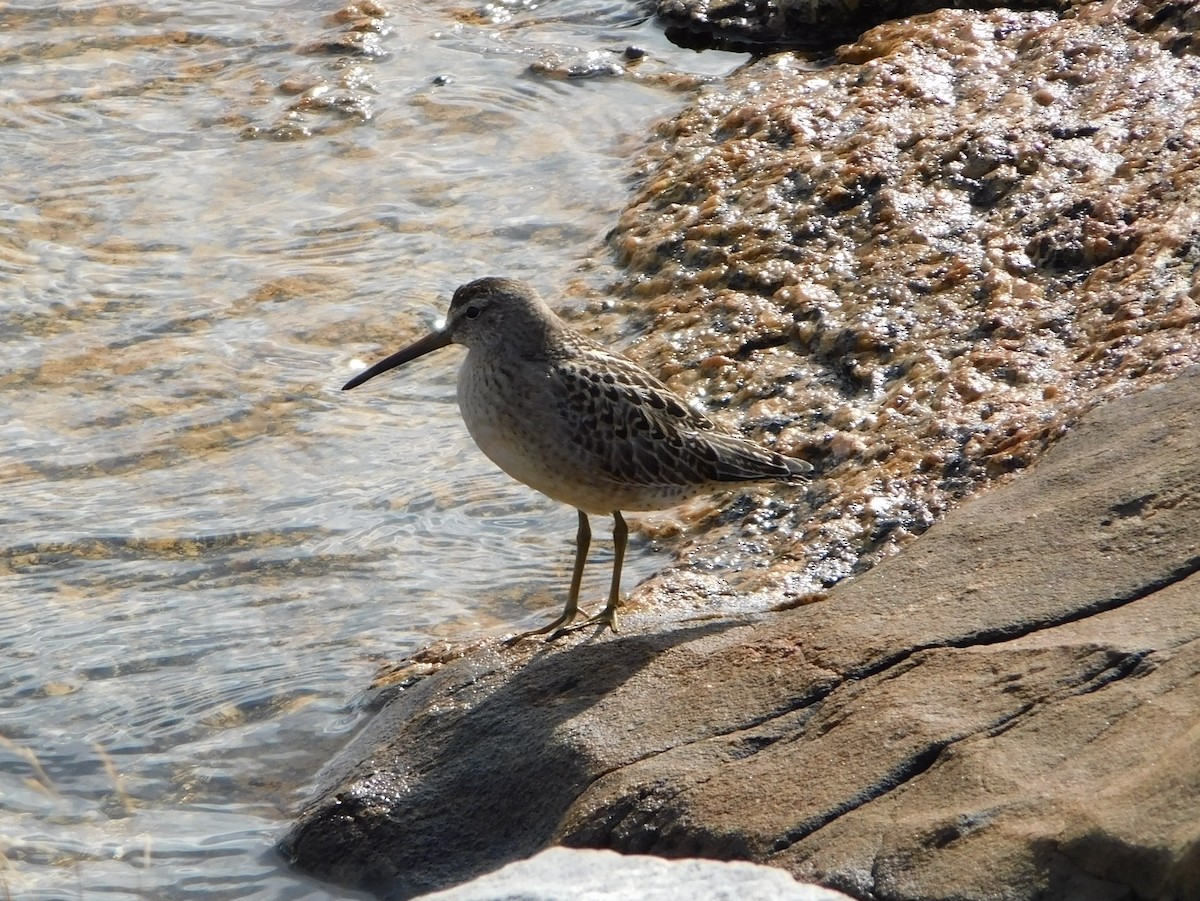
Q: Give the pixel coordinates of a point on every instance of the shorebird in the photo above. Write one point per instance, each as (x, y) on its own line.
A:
(580, 423)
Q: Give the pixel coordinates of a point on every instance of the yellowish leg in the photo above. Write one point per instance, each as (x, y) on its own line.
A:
(583, 538)
(620, 539)
(608, 616)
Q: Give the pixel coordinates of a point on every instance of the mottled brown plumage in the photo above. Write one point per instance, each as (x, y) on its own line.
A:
(580, 423)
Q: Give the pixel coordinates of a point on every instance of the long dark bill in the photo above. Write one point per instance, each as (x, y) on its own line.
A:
(400, 357)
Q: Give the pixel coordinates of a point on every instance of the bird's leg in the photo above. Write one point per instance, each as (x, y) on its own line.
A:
(583, 538)
(608, 616)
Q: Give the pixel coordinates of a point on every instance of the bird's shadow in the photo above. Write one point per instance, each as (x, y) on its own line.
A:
(483, 760)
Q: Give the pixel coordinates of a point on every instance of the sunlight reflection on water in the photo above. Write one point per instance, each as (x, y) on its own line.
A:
(208, 548)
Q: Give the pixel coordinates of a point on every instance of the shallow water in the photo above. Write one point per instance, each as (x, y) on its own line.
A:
(210, 216)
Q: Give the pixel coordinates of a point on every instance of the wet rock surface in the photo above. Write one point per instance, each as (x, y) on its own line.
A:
(1007, 709)
(917, 266)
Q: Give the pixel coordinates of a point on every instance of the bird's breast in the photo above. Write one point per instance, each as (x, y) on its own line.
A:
(504, 407)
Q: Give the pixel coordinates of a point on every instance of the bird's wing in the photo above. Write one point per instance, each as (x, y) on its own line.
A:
(638, 431)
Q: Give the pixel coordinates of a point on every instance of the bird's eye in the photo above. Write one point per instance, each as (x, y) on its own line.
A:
(472, 313)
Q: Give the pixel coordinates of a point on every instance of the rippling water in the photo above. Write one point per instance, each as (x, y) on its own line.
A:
(210, 216)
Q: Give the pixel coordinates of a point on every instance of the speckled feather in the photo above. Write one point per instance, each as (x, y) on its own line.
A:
(645, 433)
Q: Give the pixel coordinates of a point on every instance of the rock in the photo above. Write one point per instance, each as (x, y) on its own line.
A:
(1010, 708)
(559, 874)
(760, 26)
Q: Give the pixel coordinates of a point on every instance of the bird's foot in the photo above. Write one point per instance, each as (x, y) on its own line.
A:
(605, 618)
(557, 627)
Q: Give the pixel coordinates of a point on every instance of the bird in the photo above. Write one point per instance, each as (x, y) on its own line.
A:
(580, 423)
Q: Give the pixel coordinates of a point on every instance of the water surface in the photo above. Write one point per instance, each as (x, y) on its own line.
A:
(210, 216)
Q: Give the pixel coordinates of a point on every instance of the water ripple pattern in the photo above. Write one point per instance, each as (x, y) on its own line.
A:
(210, 215)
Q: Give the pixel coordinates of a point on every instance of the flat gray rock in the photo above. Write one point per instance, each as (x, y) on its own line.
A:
(560, 874)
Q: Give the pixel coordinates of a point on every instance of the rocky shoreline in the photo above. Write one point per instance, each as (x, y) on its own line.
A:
(1007, 709)
(957, 260)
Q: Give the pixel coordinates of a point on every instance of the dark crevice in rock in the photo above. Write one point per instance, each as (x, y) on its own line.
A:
(1124, 666)
(763, 342)
(1012, 631)
(1119, 667)
(753, 744)
(905, 772)
(817, 693)
(748, 745)
(1116, 666)
(625, 825)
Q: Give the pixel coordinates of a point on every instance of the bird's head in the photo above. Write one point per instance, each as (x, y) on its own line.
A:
(488, 314)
